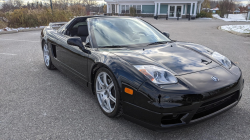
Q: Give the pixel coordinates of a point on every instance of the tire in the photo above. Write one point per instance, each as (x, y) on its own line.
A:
(47, 58)
(107, 94)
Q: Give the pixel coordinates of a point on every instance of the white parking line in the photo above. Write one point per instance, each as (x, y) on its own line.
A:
(7, 54)
(18, 40)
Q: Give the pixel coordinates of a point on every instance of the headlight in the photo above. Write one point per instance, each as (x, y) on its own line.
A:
(156, 74)
(222, 59)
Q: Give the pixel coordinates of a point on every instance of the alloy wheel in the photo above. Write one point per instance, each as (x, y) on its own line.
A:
(46, 55)
(105, 91)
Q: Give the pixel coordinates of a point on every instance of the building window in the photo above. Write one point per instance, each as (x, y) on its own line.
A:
(127, 9)
(138, 9)
(123, 9)
(148, 9)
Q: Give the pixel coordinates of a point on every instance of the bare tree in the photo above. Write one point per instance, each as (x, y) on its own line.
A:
(105, 8)
(11, 5)
(206, 4)
(226, 6)
(18, 3)
(88, 4)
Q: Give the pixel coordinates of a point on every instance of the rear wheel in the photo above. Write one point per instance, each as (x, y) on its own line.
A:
(107, 93)
(46, 57)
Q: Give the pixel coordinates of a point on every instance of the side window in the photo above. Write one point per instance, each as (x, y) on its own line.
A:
(79, 23)
(73, 29)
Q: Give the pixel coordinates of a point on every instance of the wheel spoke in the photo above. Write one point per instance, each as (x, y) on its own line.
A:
(100, 82)
(110, 86)
(112, 98)
(47, 59)
(100, 91)
(108, 106)
(105, 79)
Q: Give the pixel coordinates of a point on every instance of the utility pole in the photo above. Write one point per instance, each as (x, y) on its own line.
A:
(51, 6)
(248, 12)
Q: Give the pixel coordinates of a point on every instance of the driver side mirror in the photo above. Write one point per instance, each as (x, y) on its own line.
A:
(75, 41)
(166, 34)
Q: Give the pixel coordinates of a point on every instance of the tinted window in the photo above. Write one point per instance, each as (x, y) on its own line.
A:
(80, 23)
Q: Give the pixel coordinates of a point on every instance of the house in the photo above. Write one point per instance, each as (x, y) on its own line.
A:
(214, 10)
(236, 11)
(170, 8)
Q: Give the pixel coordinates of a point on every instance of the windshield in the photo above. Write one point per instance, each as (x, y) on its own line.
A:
(124, 32)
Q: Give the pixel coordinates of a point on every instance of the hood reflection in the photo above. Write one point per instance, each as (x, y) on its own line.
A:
(177, 58)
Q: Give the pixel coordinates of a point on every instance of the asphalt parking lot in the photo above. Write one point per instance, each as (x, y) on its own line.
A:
(36, 103)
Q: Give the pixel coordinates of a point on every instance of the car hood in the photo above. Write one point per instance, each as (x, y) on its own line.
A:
(179, 58)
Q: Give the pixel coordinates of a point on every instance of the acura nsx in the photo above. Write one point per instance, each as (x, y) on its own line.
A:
(137, 71)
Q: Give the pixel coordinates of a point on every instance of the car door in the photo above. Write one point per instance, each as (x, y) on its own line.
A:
(72, 58)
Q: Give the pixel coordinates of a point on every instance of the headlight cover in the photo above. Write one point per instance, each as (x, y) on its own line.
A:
(222, 59)
(156, 74)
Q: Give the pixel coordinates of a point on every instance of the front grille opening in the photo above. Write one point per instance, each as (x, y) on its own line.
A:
(216, 105)
(172, 119)
(216, 100)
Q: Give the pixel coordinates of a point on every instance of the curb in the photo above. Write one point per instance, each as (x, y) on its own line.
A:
(23, 30)
(236, 33)
(9, 32)
(32, 29)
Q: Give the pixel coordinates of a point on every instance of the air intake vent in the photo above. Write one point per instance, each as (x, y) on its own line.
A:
(172, 119)
(216, 105)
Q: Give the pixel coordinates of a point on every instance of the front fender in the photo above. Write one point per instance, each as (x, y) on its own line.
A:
(126, 75)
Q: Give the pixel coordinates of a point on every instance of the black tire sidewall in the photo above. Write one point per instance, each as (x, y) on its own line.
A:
(117, 109)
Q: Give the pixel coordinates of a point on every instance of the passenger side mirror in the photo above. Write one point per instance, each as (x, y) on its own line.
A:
(76, 41)
(166, 34)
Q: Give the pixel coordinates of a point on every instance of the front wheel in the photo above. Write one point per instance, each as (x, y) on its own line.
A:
(107, 93)
(46, 57)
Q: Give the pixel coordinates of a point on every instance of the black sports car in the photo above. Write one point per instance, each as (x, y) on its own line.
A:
(136, 71)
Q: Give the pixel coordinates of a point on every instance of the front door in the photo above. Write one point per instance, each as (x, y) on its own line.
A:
(178, 11)
(175, 11)
(172, 11)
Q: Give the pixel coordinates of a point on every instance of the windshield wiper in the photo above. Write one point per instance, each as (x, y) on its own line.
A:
(159, 42)
(113, 46)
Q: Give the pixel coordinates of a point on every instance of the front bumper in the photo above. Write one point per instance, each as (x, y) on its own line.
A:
(184, 108)
(183, 118)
